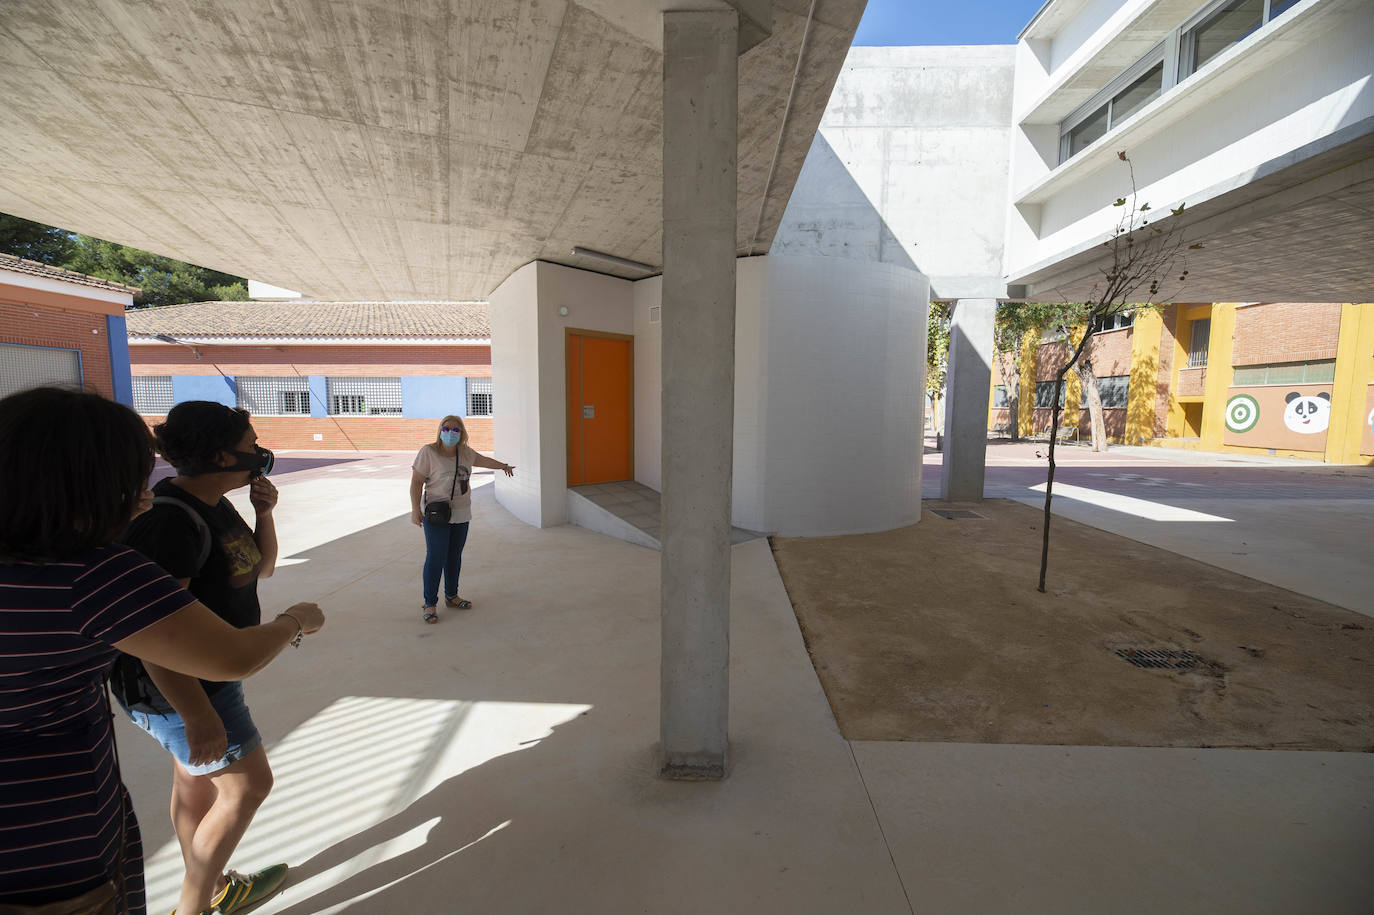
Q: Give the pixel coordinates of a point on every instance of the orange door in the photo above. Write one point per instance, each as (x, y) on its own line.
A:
(600, 407)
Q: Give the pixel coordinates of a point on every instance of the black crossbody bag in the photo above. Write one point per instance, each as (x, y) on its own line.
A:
(438, 512)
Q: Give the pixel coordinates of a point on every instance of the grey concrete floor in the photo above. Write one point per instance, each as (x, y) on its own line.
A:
(502, 760)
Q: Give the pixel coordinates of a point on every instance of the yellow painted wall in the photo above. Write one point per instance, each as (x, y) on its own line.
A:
(1177, 426)
(1354, 374)
(1220, 347)
(1025, 412)
(1146, 335)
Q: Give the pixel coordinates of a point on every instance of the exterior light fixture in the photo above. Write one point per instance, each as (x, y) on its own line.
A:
(622, 262)
(168, 338)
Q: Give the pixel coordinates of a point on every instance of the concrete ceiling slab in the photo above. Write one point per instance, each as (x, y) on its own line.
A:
(368, 149)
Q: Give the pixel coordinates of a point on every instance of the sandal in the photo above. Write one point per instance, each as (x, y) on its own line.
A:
(429, 615)
(458, 603)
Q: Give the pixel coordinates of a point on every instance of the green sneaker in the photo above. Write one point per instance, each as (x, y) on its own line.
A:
(245, 890)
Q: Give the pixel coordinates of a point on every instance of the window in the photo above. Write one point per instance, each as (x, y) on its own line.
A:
(1217, 31)
(1113, 389)
(153, 394)
(1135, 88)
(274, 396)
(1115, 322)
(24, 367)
(1197, 347)
(364, 396)
(1044, 394)
(1088, 131)
(1321, 371)
(999, 396)
(479, 397)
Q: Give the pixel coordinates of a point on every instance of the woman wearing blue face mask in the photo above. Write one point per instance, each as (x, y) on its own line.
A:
(441, 473)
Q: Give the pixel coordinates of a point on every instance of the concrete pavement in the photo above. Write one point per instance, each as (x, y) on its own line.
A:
(502, 761)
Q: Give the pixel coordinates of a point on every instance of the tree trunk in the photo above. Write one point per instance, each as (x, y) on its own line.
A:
(1049, 480)
(1090, 387)
(1014, 408)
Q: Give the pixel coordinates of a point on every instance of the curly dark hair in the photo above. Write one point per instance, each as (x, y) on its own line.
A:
(196, 431)
(72, 469)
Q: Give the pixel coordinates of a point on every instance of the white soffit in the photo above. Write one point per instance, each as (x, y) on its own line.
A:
(360, 149)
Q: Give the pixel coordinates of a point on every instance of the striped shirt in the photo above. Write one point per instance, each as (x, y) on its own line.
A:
(60, 793)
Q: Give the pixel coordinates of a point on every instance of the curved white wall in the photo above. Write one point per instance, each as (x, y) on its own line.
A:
(829, 384)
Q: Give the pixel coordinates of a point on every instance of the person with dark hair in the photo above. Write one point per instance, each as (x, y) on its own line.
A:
(440, 473)
(220, 773)
(73, 472)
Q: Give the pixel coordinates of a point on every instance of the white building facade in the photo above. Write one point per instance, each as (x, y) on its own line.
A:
(1256, 115)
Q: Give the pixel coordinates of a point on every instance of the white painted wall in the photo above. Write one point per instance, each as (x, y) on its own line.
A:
(829, 375)
(910, 167)
(1204, 136)
(529, 376)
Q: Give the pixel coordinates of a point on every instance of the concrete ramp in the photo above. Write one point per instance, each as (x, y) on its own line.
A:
(628, 511)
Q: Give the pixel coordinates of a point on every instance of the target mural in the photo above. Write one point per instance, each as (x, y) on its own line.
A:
(1242, 413)
(1291, 417)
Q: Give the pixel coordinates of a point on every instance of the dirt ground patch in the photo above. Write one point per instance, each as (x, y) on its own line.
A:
(936, 632)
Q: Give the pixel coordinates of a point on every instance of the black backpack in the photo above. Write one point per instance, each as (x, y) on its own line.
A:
(129, 680)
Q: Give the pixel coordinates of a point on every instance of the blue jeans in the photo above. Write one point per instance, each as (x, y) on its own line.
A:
(443, 556)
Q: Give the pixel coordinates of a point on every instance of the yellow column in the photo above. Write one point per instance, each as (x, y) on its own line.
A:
(1177, 424)
(1073, 385)
(1354, 374)
(1146, 334)
(1220, 346)
(1025, 410)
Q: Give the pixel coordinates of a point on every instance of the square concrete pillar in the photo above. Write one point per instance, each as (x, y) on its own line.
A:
(968, 381)
(700, 110)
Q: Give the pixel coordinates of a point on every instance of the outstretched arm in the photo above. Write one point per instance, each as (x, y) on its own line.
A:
(481, 460)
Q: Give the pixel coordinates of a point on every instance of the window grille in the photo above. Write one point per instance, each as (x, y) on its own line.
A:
(364, 396)
(1114, 390)
(1044, 394)
(24, 367)
(1197, 347)
(479, 397)
(1322, 371)
(153, 394)
(274, 396)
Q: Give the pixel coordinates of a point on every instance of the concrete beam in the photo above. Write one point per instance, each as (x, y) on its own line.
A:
(700, 137)
(967, 382)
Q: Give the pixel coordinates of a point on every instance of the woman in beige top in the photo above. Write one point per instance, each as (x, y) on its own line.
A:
(441, 473)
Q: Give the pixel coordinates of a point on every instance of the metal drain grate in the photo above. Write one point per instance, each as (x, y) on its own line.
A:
(955, 514)
(1161, 658)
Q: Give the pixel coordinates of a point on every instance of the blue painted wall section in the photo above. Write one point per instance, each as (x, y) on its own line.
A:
(433, 398)
(205, 387)
(319, 390)
(121, 377)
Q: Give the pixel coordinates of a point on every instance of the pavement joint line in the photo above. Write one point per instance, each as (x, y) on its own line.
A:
(879, 822)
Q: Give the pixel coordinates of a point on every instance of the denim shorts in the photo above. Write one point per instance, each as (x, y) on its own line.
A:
(169, 730)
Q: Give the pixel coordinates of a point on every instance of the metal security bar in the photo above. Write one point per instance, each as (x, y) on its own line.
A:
(479, 397)
(153, 394)
(274, 396)
(1197, 348)
(24, 367)
(364, 396)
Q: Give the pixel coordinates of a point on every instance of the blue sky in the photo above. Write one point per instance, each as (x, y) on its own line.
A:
(906, 22)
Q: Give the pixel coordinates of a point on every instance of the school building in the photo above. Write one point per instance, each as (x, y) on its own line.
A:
(62, 327)
(1286, 379)
(354, 376)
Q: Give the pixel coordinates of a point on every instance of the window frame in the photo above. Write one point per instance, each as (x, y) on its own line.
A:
(137, 381)
(489, 394)
(299, 385)
(1206, 349)
(357, 400)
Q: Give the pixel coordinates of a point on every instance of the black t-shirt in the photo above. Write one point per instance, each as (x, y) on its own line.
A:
(228, 582)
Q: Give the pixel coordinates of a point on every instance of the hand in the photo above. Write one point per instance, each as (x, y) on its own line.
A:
(415, 518)
(263, 495)
(309, 615)
(205, 739)
(509, 469)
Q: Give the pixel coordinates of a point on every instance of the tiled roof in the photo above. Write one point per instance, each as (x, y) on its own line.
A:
(314, 319)
(34, 268)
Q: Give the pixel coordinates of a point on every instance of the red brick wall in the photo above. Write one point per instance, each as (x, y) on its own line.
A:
(354, 433)
(1286, 332)
(1111, 352)
(352, 361)
(43, 325)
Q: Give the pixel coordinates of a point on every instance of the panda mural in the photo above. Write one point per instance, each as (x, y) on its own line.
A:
(1307, 414)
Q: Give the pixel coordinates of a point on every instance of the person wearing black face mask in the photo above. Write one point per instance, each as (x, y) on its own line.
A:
(220, 771)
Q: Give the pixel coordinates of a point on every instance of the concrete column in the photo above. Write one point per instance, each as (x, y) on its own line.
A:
(967, 382)
(700, 105)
